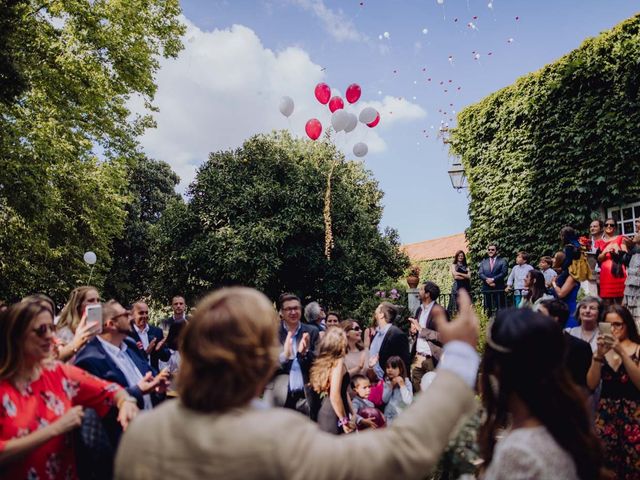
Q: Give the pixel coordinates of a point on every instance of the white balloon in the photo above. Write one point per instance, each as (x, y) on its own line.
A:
(386, 35)
(368, 115)
(339, 119)
(425, 31)
(352, 123)
(286, 106)
(440, 2)
(360, 149)
(90, 258)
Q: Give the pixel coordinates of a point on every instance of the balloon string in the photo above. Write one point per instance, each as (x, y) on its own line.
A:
(328, 235)
(90, 275)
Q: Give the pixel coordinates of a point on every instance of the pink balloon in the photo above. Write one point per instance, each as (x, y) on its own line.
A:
(375, 122)
(335, 103)
(323, 93)
(313, 128)
(353, 93)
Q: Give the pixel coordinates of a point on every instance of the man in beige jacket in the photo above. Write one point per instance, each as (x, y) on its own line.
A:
(217, 430)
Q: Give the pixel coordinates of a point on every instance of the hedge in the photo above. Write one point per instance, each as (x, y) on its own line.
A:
(555, 147)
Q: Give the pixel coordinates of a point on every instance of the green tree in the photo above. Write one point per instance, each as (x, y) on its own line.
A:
(555, 147)
(151, 187)
(78, 64)
(255, 217)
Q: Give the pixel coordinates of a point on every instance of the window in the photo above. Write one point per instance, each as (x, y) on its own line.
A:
(625, 216)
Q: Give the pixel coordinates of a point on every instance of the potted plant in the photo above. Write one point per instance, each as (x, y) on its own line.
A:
(413, 277)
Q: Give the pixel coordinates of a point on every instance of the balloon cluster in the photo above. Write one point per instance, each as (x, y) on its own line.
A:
(341, 120)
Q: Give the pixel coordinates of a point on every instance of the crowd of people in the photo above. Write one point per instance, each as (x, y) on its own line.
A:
(244, 388)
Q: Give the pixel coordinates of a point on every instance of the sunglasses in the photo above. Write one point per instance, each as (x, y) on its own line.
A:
(610, 225)
(356, 329)
(42, 330)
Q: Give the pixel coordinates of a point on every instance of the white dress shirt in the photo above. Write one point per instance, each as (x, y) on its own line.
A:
(143, 334)
(126, 365)
(422, 346)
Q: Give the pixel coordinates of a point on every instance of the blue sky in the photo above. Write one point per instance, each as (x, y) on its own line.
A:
(338, 42)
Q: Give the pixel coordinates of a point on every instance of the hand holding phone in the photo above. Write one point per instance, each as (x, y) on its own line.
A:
(94, 318)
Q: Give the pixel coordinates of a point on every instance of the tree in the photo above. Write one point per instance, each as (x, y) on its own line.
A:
(151, 187)
(555, 147)
(66, 132)
(255, 217)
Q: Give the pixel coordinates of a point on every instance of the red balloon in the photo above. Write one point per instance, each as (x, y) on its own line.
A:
(353, 93)
(323, 93)
(375, 122)
(313, 128)
(335, 103)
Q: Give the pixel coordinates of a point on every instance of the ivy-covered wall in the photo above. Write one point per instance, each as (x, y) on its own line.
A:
(437, 271)
(555, 147)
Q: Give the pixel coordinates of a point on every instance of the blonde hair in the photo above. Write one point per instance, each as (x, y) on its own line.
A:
(71, 313)
(228, 350)
(333, 347)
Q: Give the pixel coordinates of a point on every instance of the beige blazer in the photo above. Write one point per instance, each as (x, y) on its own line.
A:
(247, 443)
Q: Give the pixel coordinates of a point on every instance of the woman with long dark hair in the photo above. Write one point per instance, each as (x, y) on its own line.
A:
(564, 286)
(527, 389)
(461, 277)
(536, 288)
(616, 363)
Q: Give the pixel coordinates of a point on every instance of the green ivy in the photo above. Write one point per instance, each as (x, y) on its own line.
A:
(555, 147)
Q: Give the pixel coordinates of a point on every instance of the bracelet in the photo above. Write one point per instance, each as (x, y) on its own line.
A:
(128, 398)
(343, 421)
(598, 359)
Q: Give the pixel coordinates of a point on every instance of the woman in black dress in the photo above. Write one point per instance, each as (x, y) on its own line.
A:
(461, 277)
(330, 381)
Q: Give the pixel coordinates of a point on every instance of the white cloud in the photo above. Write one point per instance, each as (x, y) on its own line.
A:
(334, 22)
(226, 86)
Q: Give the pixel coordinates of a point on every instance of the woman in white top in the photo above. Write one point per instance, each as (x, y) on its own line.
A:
(527, 390)
(588, 312)
(357, 357)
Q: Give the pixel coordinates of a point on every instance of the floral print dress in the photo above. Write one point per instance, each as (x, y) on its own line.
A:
(58, 388)
(618, 421)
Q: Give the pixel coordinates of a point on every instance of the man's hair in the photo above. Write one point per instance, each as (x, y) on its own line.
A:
(356, 378)
(177, 296)
(312, 312)
(524, 255)
(287, 297)
(389, 311)
(228, 350)
(493, 244)
(557, 309)
(600, 222)
(432, 289)
(109, 309)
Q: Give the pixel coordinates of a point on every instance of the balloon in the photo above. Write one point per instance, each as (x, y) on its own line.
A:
(352, 123)
(323, 93)
(335, 103)
(339, 120)
(375, 122)
(90, 258)
(313, 128)
(374, 414)
(360, 149)
(286, 106)
(368, 115)
(353, 93)
(440, 2)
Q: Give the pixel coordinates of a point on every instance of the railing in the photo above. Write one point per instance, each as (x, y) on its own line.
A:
(491, 300)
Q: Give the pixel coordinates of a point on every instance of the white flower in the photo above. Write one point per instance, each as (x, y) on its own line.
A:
(9, 406)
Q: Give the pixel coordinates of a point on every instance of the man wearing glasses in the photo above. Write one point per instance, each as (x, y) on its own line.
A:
(493, 271)
(298, 341)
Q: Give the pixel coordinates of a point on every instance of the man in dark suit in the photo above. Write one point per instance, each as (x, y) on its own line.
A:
(493, 272)
(389, 340)
(298, 345)
(113, 357)
(149, 339)
(426, 347)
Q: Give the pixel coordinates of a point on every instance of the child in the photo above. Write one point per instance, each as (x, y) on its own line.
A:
(367, 415)
(398, 392)
(516, 278)
(548, 272)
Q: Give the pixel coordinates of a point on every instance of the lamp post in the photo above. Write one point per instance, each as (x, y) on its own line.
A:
(458, 178)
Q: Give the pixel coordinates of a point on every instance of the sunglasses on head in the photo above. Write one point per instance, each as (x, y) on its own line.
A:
(42, 330)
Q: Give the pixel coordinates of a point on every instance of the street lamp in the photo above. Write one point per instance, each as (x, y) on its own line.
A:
(458, 178)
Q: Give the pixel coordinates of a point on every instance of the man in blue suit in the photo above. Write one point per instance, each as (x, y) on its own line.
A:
(113, 357)
(493, 271)
(149, 339)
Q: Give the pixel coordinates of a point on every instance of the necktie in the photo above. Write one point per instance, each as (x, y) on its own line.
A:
(492, 262)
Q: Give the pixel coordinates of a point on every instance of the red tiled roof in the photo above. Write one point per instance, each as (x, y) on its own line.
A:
(444, 247)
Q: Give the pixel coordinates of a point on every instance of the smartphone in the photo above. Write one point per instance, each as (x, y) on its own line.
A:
(605, 328)
(94, 318)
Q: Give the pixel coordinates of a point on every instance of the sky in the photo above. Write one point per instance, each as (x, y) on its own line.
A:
(418, 62)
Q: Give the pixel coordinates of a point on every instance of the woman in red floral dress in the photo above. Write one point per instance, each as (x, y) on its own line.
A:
(41, 400)
(616, 362)
(612, 271)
